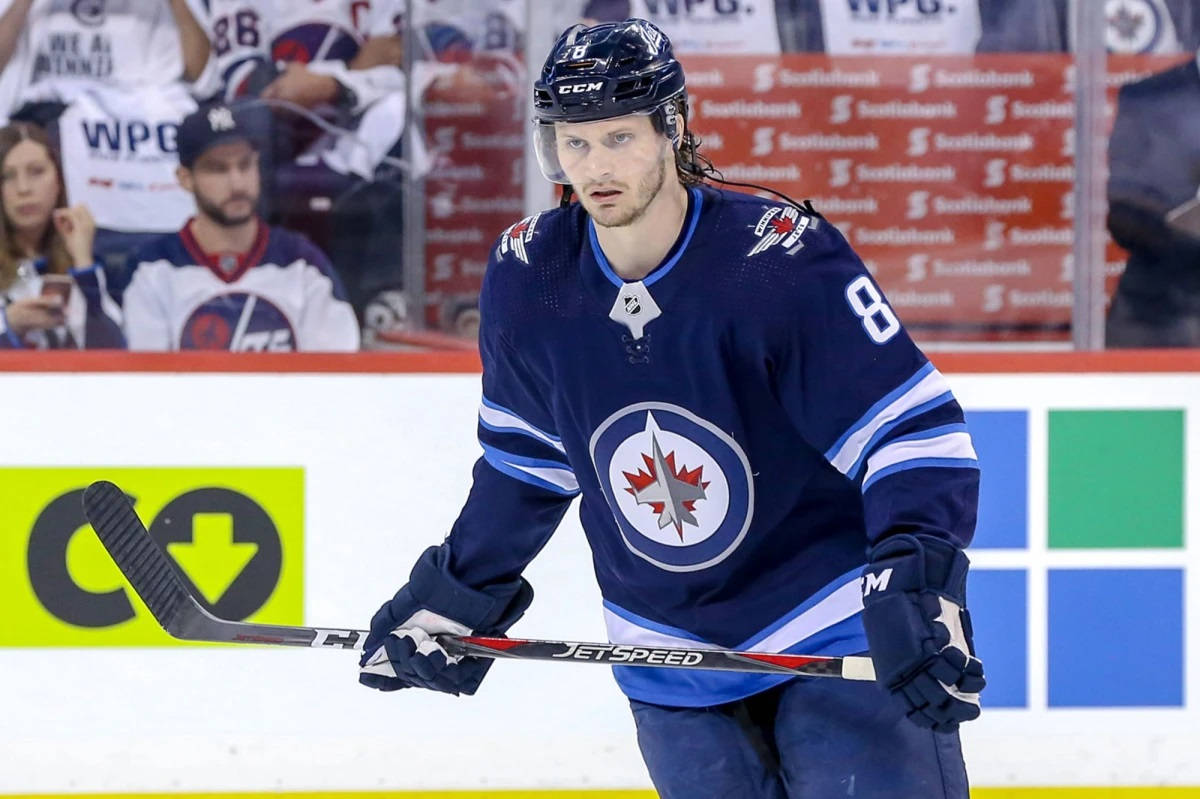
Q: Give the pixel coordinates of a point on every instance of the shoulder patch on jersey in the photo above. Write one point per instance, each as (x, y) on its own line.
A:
(516, 237)
(782, 225)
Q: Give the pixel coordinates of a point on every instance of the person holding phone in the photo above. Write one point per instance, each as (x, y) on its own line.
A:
(52, 291)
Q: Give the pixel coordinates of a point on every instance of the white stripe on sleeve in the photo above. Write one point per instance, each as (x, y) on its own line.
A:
(950, 448)
(931, 387)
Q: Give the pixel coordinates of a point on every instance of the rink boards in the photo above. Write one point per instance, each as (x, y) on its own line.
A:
(342, 470)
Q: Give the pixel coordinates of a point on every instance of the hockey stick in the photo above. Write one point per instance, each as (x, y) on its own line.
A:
(156, 579)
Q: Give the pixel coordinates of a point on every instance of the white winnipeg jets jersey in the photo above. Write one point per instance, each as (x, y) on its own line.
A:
(246, 33)
(282, 295)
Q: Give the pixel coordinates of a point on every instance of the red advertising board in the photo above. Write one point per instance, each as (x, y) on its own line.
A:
(952, 177)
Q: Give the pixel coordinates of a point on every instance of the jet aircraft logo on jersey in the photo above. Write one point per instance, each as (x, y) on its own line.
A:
(782, 225)
(671, 493)
(238, 322)
(315, 41)
(679, 487)
(517, 236)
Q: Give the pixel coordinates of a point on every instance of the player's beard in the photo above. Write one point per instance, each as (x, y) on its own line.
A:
(647, 189)
(217, 213)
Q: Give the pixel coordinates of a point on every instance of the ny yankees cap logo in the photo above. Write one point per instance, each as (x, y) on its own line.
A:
(221, 118)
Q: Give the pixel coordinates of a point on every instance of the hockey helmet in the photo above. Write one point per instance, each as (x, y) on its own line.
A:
(609, 70)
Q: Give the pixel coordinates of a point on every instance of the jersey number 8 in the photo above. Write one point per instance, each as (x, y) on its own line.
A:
(877, 317)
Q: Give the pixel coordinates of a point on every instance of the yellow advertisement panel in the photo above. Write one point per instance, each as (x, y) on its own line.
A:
(236, 533)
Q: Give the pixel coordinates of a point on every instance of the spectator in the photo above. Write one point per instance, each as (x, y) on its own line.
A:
(53, 292)
(1154, 161)
(332, 72)
(129, 44)
(226, 280)
(104, 77)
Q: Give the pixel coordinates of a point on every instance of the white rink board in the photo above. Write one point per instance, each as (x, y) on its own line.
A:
(387, 461)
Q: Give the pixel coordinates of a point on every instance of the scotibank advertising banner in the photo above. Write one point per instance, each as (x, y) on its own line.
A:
(237, 534)
(952, 177)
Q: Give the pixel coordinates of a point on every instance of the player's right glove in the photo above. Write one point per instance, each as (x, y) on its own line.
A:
(919, 631)
(401, 650)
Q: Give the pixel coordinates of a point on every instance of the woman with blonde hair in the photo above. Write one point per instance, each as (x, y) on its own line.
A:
(52, 291)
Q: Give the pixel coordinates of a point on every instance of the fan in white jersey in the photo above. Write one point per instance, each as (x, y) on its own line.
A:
(227, 281)
(303, 51)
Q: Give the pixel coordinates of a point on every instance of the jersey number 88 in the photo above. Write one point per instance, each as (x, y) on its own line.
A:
(877, 316)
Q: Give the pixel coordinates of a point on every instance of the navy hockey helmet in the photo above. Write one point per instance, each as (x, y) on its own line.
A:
(608, 70)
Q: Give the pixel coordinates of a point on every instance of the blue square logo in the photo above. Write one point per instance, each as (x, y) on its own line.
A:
(1116, 638)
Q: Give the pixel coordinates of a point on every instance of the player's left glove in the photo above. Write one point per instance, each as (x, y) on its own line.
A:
(919, 631)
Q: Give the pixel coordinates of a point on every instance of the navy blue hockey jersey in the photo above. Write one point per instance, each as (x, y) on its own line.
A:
(740, 426)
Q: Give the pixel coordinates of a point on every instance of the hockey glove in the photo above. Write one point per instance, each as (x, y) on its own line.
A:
(919, 631)
(401, 650)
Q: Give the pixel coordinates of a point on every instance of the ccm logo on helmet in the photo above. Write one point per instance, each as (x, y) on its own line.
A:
(577, 88)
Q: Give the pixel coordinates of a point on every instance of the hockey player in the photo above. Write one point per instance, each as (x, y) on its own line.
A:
(764, 459)
(226, 280)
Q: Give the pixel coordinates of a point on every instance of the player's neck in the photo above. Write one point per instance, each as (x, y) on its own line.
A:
(634, 250)
(215, 238)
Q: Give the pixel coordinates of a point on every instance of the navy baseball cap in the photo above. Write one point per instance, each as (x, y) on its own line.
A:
(207, 127)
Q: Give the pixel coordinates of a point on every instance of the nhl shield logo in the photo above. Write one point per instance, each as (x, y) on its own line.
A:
(679, 487)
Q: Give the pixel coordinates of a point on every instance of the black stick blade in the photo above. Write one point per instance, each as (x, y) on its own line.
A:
(139, 557)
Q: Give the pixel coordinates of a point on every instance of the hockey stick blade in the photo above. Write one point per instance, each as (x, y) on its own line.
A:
(156, 579)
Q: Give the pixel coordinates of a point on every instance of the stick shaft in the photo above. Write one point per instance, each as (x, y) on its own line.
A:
(157, 580)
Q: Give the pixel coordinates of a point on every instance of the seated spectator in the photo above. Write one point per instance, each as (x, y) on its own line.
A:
(1154, 174)
(52, 292)
(227, 281)
(331, 76)
(105, 78)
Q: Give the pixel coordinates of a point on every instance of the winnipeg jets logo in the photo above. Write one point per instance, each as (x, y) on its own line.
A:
(517, 236)
(782, 225)
(671, 493)
(679, 486)
(1134, 26)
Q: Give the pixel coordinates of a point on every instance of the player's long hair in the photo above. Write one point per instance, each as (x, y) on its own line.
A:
(695, 168)
(52, 245)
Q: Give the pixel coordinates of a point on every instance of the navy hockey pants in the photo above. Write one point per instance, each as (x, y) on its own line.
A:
(804, 739)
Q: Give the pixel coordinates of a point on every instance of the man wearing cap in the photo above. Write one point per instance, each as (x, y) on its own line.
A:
(227, 280)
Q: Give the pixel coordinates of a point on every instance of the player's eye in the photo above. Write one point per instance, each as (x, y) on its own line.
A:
(576, 144)
(623, 137)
